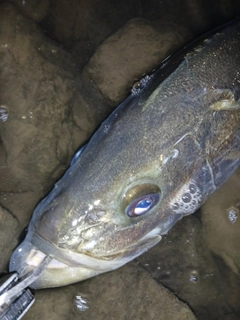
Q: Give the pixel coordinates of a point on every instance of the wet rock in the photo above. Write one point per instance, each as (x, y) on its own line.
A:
(33, 9)
(45, 99)
(9, 239)
(43, 109)
(88, 21)
(221, 213)
(82, 26)
(135, 49)
(20, 203)
(36, 91)
(196, 15)
(199, 257)
(127, 293)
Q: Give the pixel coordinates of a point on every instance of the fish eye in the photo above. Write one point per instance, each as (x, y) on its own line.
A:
(141, 199)
(142, 205)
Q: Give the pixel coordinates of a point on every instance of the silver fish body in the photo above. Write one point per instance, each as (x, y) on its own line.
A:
(157, 158)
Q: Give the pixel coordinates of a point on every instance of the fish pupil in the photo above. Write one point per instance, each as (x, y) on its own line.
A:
(143, 206)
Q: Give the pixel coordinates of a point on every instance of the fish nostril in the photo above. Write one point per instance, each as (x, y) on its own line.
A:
(23, 234)
(49, 226)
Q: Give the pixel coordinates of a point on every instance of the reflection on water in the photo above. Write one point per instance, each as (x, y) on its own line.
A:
(3, 114)
(233, 214)
(81, 304)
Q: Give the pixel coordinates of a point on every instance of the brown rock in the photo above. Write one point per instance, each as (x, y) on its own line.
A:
(125, 294)
(135, 49)
(221, 213)
(43, 104)
(33, 9)
(36, 91)
(8, 236)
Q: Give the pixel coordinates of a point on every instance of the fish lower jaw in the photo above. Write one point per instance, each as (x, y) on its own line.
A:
(27, 258)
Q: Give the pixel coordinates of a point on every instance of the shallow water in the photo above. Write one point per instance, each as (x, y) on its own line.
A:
(50, 105)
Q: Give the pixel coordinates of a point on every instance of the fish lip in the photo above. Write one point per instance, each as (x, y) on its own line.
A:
(54, 274)
(68, 267)
(72, 258)
(93, 261)
(31, 252)
(154, 233)
(146, 242)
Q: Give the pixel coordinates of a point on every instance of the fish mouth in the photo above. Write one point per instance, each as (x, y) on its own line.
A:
(66, 266)
(27, 257)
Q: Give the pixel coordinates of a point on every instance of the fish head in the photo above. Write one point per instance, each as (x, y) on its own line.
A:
(112, 205)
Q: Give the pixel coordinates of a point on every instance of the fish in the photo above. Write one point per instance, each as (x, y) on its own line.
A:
(160, 154)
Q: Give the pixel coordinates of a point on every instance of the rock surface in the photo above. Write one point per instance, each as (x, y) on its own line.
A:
(34, 9)
(129, 293)
(135, 49)
(222, 213)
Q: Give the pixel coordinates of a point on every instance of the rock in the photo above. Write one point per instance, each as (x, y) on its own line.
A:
(81, 26)
(8, 236)
(32, 9)
(221, 213)
(46, 113)
(135, 49)
(127, 293)
(36, 91)
(196, 15)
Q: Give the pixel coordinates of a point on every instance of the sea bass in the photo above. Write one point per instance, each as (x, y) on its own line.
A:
(156, 159)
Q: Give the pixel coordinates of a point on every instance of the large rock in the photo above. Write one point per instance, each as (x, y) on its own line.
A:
(33, 9)
(8, 224)
(36, 91)
(222, 214)
(126, 294)
(135, 49)
(43, 101)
